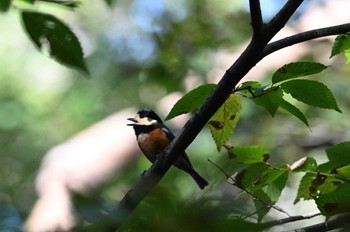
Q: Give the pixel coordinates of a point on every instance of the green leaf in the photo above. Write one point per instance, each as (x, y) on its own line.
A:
(5, 5)
(338, 155)
(249, 155)
(295, 70)
(312, 93)
(270, 100)
(247, 177)
(268, 188)
(335, 202)
(224, 120)
(344, 171)
(277, 181)
(251, 87)
(191, 101)
(46, 31)
(304, 164)
(341, 44)
(306, 187)
(347, 55)
(261, 208)
(294, 111)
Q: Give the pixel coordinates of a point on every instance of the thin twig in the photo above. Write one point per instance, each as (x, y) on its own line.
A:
(290, 219)
(267, 204)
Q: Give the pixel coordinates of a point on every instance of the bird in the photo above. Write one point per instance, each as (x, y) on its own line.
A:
(153, 137)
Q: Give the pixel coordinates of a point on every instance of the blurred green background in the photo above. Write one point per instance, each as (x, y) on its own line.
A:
(137, 53)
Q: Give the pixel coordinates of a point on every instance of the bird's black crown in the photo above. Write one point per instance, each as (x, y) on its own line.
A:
(148, 113)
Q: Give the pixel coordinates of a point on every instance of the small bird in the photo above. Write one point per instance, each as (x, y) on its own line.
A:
(153, 137)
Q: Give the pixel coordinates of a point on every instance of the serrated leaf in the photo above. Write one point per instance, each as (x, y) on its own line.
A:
(247, 177)
(270, 100)
(295, 70)
(50, 33)
(304, 164)
(5, 5)
(341, 44)
(347, 56)
(294, 111)
(305, 187)
(335, 202)
(191, 101)
(269, 188)
(338, 155)
(224, 120)
(310, 92)
(344, 171)
(261, 208)
(249, 155)
(277, 181)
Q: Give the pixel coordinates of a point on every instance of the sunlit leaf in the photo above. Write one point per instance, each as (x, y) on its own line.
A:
(191, 101)
(249, 154)
(223, 122)
(295, 70)
(338, 155)
(311, 92)
(270, 100)
(334, 202)
(294, 111)
(48, 32)
(342, 44)
(344, 171)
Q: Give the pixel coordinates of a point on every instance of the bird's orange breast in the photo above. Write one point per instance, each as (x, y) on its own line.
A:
(153, 143)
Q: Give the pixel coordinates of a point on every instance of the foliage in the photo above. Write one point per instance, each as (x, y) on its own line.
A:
(257, 174)
(49, 33)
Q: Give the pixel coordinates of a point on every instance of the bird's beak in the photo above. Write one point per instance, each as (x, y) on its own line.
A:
(133, 120)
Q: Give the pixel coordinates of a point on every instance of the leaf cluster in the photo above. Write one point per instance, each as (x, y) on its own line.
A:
(326, 183)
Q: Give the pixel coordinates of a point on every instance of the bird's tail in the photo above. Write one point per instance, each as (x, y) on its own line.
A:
(201, 182)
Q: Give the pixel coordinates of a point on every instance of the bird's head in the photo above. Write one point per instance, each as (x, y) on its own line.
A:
(145, 117)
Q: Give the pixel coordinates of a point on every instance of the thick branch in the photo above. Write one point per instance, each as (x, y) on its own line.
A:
(256, 17)
(337, 223)
(281, 18)
(305, 36)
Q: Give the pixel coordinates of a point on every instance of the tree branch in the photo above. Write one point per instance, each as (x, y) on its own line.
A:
(248, 59)
(337, 223)
(281, 18)
(289, 220)
(256, 17)
(305, 36)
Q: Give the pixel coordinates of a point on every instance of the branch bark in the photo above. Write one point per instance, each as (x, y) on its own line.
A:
(255, 51)
(339, 222)
(256, 18)
(305, 36)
